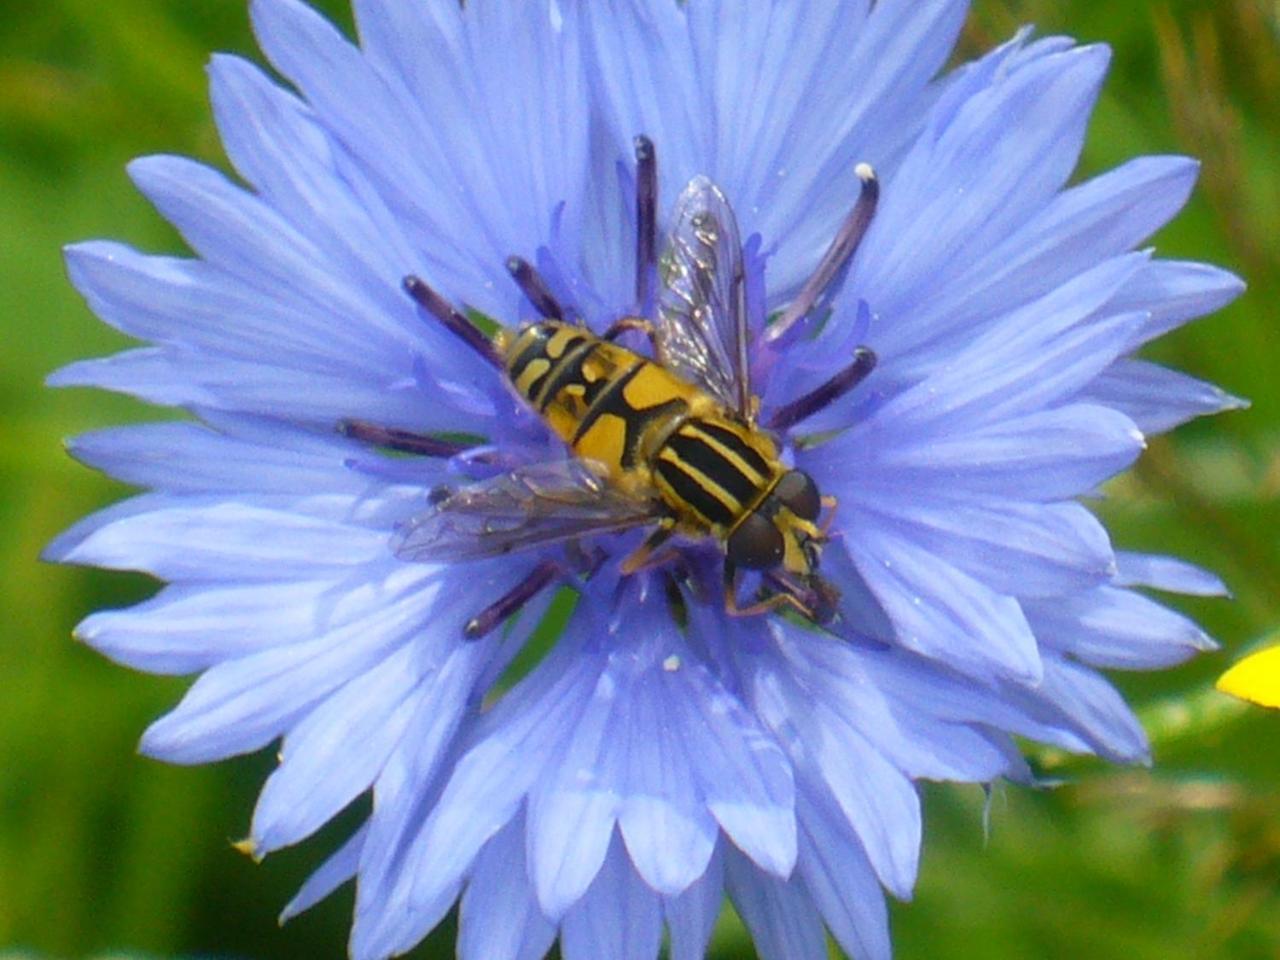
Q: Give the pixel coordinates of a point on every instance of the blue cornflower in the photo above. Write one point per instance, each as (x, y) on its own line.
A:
(662, 753)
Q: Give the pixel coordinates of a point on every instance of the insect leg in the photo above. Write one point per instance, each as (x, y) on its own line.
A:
(817, 599)
(646, 219)
(766, 605)
(534, 288)
(643, 556)
(493, 615)
(829, 504)
(452, 320)
(816, 604)
(835, 259)
(864, 361)
(405, 441)
(623, 324)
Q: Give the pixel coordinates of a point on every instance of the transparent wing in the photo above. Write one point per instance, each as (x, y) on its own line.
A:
(528, 507)
(702, 323)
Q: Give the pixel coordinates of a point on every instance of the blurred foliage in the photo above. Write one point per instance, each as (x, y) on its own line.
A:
(103, 853)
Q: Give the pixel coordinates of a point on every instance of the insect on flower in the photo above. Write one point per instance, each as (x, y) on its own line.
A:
(670, 442)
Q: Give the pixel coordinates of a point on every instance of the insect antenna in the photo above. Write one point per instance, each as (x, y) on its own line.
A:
(646, 219)
(534, 288)
(493, 615)
(404, 441)
(451, 319)
(864, 361)
(835, 259)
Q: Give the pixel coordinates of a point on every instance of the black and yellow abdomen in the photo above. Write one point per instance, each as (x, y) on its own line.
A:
(716, 467)
(653, 433)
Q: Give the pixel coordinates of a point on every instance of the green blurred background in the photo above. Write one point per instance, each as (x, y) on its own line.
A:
(103, 853)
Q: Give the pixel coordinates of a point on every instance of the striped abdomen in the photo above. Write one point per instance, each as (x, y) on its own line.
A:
(716, 467)
(652, 431)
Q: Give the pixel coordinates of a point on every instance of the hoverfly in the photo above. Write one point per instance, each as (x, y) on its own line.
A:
(669, 442)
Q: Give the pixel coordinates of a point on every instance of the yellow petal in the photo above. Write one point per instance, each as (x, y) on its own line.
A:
(1255, 678)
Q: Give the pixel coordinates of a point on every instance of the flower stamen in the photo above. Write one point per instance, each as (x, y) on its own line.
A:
(403, 441)
(453, 321)
(787, 416)
(497, 612)
(646, 219)
(834, 260)
(534, 288)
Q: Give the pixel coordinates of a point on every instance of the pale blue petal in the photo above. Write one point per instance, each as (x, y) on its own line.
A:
(704, 85)
(978, 171)
(691, 916)
(186, 378)
(260, 457)
(386, 921)
(279, 146)
(1030, 550)
(1035, 357)
(1096, 711)
(905, 727)
(519, 738)
(877, 800)
(190, 627)
(943, 613)
(1167, 573)
(233, 230)
(780, 914)
(1175, 292)
(1117, 629)
(193, 303)
(840, 766)
(499, 918)
(861, 614)
(570, 824)
(666, 826)
(489, 179)
(842, 884)
(335, 753)
(745, 776)
(241, 705)
(202, 539)
(1079, 228)
(620, 917)
(1044, 455)
(333, 873)
(1156, 398)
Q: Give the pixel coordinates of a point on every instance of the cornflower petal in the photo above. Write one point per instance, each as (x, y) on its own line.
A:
(619, 916)
(692, 915)
(780, 914)
(1156, 398)
(499, 918)
(1117, 629)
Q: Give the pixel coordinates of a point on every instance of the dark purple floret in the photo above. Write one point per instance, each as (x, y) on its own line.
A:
(455, 322)
(534, 288)
(492, 616)
(404, 441)
(787, 416)
(835, 260)
(646, 218)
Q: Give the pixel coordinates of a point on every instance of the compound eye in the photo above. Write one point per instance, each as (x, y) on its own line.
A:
(756, 544)
(799, 494)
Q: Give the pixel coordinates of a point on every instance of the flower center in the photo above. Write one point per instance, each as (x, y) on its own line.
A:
(667, 440)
